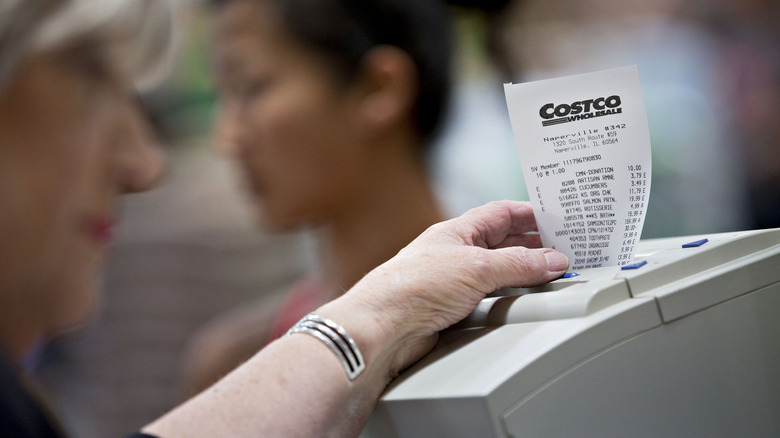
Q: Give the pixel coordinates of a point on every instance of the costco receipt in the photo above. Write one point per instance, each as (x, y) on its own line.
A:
(584, 145)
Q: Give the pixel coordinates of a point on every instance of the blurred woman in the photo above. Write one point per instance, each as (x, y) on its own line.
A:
(72, 139)
(328, 107)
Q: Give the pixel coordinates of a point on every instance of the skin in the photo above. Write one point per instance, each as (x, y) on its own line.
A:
(394, 314)
(71, 140)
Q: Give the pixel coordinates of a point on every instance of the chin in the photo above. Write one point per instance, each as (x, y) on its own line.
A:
(79, 301)
(270, 221)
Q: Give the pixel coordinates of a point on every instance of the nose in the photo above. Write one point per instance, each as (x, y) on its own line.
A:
(140, 159)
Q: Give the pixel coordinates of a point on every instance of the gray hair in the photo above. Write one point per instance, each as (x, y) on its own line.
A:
(141, 33)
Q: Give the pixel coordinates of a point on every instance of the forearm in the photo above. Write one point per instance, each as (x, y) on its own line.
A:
(295, 387)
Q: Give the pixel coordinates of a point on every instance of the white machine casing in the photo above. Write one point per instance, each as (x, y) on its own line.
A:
(687, 345)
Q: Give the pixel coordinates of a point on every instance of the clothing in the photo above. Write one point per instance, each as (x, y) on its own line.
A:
(21, 415)
(305, 296)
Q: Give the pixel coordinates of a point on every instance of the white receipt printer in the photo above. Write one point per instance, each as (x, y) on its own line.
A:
(683, 343)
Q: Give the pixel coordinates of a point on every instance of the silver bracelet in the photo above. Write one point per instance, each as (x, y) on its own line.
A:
(336, 338)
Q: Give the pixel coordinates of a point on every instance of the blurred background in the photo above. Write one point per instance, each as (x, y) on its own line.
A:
(710, 73)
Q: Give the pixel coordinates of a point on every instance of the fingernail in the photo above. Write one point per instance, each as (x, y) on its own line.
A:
(556, 261)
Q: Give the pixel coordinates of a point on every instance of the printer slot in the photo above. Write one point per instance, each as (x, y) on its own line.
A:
(570, 300)
(547, 287)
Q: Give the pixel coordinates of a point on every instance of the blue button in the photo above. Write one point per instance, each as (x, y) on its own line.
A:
(695, 244)
(570, 275)
(636, 265)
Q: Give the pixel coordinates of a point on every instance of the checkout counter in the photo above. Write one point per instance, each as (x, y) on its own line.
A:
(683, 343)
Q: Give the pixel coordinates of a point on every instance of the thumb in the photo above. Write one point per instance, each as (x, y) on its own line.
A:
(524, 267)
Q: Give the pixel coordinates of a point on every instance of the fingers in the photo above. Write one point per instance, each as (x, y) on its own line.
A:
(491, 225)
(524, 267)
(528, 240)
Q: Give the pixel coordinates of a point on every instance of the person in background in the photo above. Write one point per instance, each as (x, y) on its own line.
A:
(328, 108)
(73, 138)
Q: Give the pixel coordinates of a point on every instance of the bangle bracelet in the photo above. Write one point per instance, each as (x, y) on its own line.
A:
(336, 338)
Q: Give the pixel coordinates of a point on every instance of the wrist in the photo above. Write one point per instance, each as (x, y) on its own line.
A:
(381, 323)
(334, 337)
(364, 326)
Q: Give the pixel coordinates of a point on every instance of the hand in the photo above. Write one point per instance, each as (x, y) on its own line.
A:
(441, 276)
(394, 315)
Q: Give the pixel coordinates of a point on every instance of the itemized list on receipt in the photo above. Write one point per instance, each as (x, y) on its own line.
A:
(584, 145)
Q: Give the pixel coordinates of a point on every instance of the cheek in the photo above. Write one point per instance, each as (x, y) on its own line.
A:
(47, 257)
(69, 257)
(313, 129)
(74, 259)
(44, 177)
(52, 167)
(69, 189)
(83, 190)
(306, 157)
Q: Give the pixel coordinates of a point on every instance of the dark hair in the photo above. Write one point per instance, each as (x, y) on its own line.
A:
(344, 31)
(489, 6)
(497, 19)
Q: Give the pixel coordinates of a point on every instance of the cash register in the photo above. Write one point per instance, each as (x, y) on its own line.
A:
(683, 342)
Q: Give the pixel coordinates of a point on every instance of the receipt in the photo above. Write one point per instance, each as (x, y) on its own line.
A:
(584, 146)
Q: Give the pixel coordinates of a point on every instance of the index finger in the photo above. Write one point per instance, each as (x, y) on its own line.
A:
(489, 226)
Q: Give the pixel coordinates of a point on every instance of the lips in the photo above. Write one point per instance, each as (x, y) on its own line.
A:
(101, 230)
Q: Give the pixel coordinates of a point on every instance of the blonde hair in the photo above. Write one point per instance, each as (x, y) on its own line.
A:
(141, 34)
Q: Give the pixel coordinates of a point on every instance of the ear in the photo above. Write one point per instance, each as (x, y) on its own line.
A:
(387, 87)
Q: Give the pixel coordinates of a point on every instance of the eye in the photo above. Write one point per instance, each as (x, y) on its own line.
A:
(241, 86)
(93, 64)
(252, 88)
(92, 61)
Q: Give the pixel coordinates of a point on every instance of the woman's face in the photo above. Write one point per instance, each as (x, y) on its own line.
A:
(71, 139)
(293, 130)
